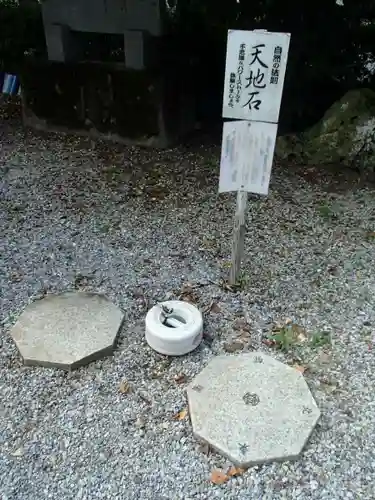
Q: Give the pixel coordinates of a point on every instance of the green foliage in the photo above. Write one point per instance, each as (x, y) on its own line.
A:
(326, 211)
(290, 336)
(284, 338)
(321, 339)
(330, 45)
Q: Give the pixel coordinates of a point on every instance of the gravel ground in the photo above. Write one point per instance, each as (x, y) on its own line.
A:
(138, 226)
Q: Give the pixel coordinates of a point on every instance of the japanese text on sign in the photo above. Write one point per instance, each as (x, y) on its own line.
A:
(275, 71)
(254, 76)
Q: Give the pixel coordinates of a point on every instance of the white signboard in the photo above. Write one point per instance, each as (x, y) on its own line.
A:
(246, 156)
(254, 75)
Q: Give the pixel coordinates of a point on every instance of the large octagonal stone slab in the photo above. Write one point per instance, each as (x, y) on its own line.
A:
(67, 330)
(252, 409)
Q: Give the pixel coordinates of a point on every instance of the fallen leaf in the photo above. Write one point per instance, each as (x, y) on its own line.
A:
(242, 325)
(218, 477)
(233, 346)
(235, 471)
(190, 297)
(215, 308)
(186, 287)
(299, 331)
(204, 448)
(180, 378)
(208, 338)
(188, 294)
(244, 338)
(124, 387)
(325, 358)
(300, 368)
(181, 414)
(269, 342)
(208, 243)
(302, 337)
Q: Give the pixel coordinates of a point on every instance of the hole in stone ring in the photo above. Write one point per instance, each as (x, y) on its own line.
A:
(176, 318)
(251, 399)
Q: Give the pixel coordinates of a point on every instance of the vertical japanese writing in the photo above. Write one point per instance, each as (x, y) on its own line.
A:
(232, 82)
(255, 81)
(240, 69)
(275, 70)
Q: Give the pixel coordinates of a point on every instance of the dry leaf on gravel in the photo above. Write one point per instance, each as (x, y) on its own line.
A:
(212, 307)
(300, 368)
(218, 477)
(325, 358)
(204, 448)
(302, 337)
(124, 387)
(215, 308)
(188, 294)
(242, 325)
(234, 346)
(180, 378)
(181, 415)
(191, 297)
(244, 337)
(235, 471)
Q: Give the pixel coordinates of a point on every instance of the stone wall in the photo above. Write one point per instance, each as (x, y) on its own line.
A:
(147, 107)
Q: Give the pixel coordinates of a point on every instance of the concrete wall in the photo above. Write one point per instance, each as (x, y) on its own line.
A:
(133, 19)
(132, 107)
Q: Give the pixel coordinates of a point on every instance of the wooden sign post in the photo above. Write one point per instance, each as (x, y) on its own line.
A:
(254, 78)
(238, 236)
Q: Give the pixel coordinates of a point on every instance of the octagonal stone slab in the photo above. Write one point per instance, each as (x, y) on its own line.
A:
(252, 409)
(67, 330)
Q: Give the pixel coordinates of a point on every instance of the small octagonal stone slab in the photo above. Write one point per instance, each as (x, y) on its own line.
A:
(67, 330)
(252, 409)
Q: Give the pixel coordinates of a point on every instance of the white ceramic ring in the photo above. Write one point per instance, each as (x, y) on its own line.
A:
(175, 332)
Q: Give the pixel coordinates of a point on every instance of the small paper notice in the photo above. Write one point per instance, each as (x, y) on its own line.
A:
(246, 156)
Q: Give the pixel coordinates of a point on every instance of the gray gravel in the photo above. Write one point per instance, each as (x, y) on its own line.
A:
(138, 225)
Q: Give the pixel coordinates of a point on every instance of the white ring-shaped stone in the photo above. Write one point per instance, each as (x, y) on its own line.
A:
(180, 337)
